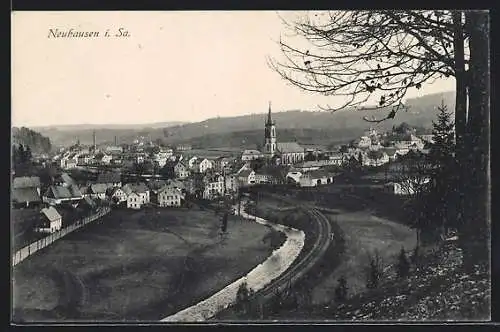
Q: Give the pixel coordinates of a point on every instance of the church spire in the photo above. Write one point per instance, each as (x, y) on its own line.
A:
(269, 119)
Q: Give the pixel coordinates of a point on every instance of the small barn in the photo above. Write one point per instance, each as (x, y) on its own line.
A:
(50, 220)
(316, 178)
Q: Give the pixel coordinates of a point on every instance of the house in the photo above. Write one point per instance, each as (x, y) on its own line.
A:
(190, 161)
(181, 171)
(98, 191)
(337, 159)
(290, 152)
(84, 159)
(316, 178)
(221, 163)
(248, 155)
(26, 196)
(231, 184)
(103, 159)
(57, 195)
(155, 185)
(26, 191)
(50, 220)
(246, 178)
(169, 196)
(267, 175)
(110, 179)
(134, 201)
(116, 195)
(391, 153)
(64, 180)
(114, 149)
(71, 162)
(183, 147)
(139, 189)
(214, 186)
(201, 165)
(364, 142)
(27, 182)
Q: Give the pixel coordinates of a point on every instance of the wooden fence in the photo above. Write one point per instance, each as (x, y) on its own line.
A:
(30, 249)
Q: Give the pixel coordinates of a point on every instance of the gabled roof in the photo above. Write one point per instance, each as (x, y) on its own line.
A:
(67, 179)
(245, 173)
(109, 177)
(23, 195)
(319, 174)
(51, 213)
(289, 147)
(156, 184)
(61, 192)
(26, 182)
(135, 188)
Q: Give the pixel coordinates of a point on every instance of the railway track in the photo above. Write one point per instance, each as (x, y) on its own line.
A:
(299, 269)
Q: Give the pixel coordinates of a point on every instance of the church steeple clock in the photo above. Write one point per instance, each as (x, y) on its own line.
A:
(270, 135)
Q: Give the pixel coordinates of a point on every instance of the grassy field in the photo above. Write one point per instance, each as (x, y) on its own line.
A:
(363, 234)
(136, 265)
(23, 222)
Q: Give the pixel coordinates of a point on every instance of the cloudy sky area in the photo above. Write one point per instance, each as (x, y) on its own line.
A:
(176, 66)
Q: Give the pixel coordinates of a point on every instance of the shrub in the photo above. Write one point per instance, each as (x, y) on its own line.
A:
(403, 265)
(243, 298)
(341, 290)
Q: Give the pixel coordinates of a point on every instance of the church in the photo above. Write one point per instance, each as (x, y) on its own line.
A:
(286, 152)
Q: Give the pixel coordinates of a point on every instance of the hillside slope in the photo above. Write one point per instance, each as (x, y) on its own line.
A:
(422, 112)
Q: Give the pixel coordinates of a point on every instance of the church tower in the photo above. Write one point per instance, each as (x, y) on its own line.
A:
(270, 135)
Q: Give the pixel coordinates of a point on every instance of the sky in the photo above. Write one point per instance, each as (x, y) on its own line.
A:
(173, 66)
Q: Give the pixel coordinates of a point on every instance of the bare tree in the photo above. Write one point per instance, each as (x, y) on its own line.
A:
(375, 57)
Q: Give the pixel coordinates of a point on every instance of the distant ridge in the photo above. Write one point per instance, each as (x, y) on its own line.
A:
(331, 126)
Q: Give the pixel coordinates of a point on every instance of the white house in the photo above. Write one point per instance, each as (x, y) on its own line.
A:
(51, 220)
(316, 178)
(364, 142)
(134, 201)
(140, 189)
(294, 176)
(98, 190)
(169, 196)
(231, 184)
(213, 186)
(191, 161)
(202, 165)
(181, 171)
(116, 194)
(246, 178)
(251, 155)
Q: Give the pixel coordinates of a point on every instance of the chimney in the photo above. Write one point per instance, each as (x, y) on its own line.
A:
(93, 137)
(115, 141)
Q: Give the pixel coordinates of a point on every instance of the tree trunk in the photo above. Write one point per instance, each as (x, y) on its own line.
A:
(460, 113)
(476, 227)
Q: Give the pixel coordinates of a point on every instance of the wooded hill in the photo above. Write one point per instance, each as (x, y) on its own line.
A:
(248, 129)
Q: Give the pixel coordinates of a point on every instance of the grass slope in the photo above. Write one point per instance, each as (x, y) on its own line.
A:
(140, 265)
